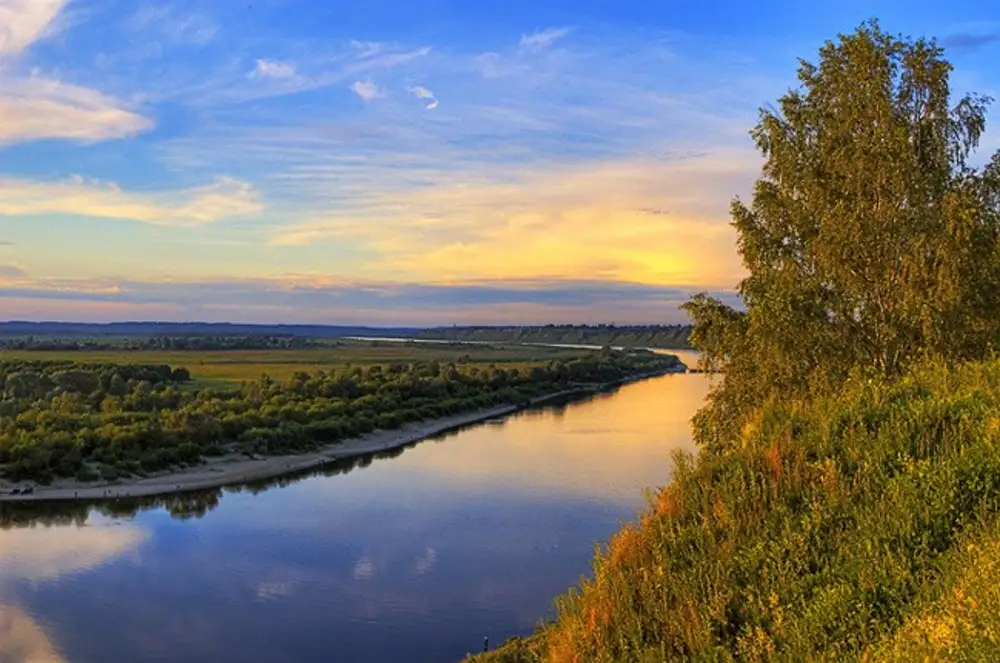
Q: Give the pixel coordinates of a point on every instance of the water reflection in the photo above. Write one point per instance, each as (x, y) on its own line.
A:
(412, 559)
(23, 640)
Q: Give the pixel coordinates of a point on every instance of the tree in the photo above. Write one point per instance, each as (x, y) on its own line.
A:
(870, 241)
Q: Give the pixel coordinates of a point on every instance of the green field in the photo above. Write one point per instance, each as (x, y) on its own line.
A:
(227, 368)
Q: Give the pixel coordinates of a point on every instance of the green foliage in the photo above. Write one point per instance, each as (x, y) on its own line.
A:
(870, 242)
(845, 505)
(59, 419)
(822, 534)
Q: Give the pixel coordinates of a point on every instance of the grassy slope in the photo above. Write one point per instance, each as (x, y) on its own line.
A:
(218, 368)
(861, 528)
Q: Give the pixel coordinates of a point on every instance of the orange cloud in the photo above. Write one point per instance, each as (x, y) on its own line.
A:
(224, 198)
(649, 222)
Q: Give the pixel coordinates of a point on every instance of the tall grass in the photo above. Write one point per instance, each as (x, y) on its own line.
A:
(831, 532)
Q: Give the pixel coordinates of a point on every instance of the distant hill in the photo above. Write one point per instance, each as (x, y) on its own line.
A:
(653, 336)
(646, 336)
(148, 329)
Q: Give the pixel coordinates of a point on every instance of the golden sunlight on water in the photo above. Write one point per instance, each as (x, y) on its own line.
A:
(409, 557)
(599, 448)
(22, 640)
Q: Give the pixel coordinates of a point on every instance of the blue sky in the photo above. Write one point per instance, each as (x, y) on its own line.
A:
(389, 162)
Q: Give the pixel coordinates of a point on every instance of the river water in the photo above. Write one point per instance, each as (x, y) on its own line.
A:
(414, 557)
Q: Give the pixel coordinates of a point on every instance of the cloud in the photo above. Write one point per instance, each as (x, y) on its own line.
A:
(174, 24)
(273, 69)
(36, 108)
(367, 48)
(367, 90)
(22, 22)
(970, 41)
(420, 92)
(547, 172)
(572, 222)
(222, 199)
(543, 38)
(228, 84)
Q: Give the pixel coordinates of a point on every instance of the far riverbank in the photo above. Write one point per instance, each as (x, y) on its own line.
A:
(234, 469)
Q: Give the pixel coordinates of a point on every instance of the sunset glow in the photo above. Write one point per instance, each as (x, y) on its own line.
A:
(401, 163)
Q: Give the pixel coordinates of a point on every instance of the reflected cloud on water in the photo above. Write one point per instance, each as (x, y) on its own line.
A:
(22, 640)
(415, 559)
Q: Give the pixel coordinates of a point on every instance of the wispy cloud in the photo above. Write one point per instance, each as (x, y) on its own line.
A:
(36, 107)
(420, 92)
(367, 90)
(543, 38)
(542, 166)
(588, 220)
(223, 199)
(366, 48)
(33, 106)
(174, 24)
(22, 22)
(236, 81)
(273, 69)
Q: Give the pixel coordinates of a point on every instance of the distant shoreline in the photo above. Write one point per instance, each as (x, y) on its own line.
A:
(235, 469)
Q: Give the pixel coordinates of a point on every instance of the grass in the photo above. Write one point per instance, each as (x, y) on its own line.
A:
(227, 368)
(860, 528)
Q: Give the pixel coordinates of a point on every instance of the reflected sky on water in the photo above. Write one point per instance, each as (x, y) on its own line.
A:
(413, 557)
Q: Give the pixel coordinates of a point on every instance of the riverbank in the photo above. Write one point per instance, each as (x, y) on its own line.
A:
(236, 469)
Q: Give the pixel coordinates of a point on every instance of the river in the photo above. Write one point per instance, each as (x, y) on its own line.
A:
(412, 557)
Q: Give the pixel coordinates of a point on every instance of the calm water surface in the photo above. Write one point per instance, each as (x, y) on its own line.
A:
(412, 558)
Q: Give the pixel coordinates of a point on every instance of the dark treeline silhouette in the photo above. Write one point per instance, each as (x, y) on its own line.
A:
(190, 342)
(628, 336)
(145, 329)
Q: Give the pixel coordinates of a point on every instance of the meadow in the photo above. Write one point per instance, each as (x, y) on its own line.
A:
(223, 369)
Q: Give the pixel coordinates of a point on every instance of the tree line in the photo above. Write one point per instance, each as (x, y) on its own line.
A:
(185, 343)
(106, 421)
(625, 336)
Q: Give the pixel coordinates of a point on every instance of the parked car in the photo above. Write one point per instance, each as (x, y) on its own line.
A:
(28, 491)
(15, 491)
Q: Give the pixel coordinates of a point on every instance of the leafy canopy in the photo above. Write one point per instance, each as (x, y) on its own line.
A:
(870, 241)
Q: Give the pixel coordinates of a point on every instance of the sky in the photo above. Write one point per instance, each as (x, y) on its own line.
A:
(400, 162)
